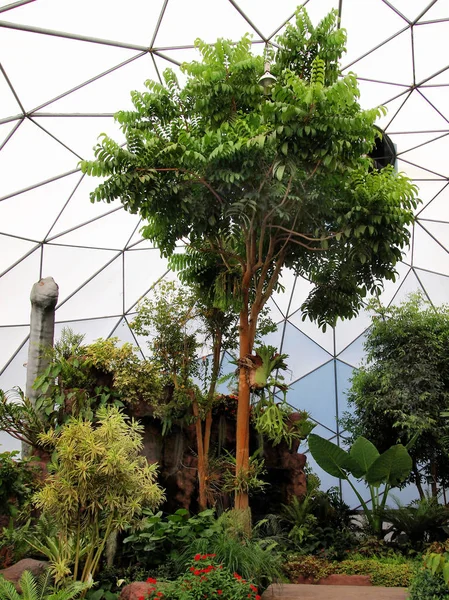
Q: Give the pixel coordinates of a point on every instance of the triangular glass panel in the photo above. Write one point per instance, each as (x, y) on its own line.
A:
(382, 64)
(324, 339)
(433, 155)
(207, 21)
(9, 106)
(439, 231)
(426, 37)
(303, 287)
(15, 374)
(80, 133)
(326, 480)
(12, 250)
(428, 192)
(83, 263)
(100, 297)
(410, 285)
(407, 142)
(416, 172)
(109, 93)
(274, 339)
(439, 98)
(438, 207)
(33, 59)
(383, 24)
(436, 286)
(315, 393)
(227, 368)
(411, 10)
(373, 93)
(110, 231)
(282, 298)
(304, 355)
(38, 208)
(96, 19)
(429, 254)
(391, 287)
(80, 209)
(275, 313)
(43, 156)
(353, 354)
(143, 268)
(93, 329)
(7, 130)
(124, 335)
(15, 288)
(12, 338)
(393, 106)
(266, 15)
(344, 374)
(417, 110)
(438, 10)
(348, 330)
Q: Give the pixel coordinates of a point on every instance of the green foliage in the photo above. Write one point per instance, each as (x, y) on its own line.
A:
(205, 577)
(40, 589)
(20, 418)
(240, 554)
(425, 586)
(387, 574)
(262, 182)
(17, 483)
(156, 540)
(243, 481)
(404, 385)
(363, 461)
(421, 521)
(99, 482)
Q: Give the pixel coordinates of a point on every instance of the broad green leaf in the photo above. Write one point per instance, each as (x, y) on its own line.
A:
(365, 453)
(330, 457)
(392, 467)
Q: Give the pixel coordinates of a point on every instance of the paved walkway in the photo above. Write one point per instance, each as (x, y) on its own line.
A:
(291, 591)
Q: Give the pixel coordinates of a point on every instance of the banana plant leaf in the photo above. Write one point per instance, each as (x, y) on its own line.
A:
(392, 467)
(365, 453)
(331, 458)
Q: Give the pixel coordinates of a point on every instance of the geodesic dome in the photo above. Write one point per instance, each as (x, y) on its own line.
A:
(66, 67)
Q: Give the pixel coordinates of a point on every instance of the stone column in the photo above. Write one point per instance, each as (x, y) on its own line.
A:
(44, 297)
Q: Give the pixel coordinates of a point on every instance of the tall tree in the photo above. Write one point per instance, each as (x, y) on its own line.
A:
(404, 386)
(263, 181)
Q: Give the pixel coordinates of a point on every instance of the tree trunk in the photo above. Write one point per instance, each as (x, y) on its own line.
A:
(202, 497)
(243, 410)
(433, 483)
(418, 480)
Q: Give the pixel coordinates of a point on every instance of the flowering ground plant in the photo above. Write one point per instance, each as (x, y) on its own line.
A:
(205, 579)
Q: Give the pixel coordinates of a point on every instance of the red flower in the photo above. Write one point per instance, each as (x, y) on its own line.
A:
(219, 592)
(253, 587)
(197, 572)
(197, 556)
(237, 576)
(258, 597)
(151, 580)
(140, 598)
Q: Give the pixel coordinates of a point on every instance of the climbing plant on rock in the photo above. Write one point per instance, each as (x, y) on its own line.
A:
(263, 181)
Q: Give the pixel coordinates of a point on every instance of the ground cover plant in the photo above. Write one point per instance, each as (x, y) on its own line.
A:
(388, 572)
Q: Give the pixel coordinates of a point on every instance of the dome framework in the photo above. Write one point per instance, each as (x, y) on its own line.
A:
(67, 67)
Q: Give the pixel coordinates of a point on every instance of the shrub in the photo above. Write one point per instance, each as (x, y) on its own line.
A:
(205, 578)
(381, 573)
(425, 586)
(99, 484)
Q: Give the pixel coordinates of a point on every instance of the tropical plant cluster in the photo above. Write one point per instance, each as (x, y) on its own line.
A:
(253, 182)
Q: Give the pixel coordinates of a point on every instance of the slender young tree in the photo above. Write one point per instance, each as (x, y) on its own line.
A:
(263, 180)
